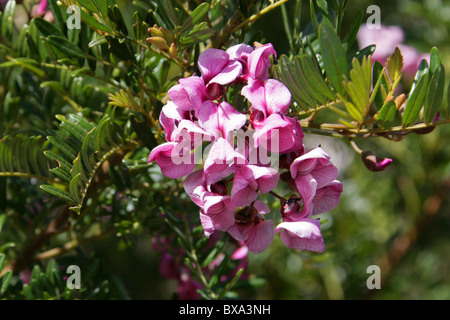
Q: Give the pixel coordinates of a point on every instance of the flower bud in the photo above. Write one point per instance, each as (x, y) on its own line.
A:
(173, 52)
(156, 32)
(159, 42)
(373, 162)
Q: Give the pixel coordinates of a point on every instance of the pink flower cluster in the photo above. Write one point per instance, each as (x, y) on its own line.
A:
(237, 168)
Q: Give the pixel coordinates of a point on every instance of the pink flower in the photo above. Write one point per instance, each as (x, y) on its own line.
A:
(374, 163)
(251, 179)
(316, 163)
(327, 197)
(259, 62)
(189, 94)
(269, 97)
(276, 133)
(187, 286)
(222, 160)
(216, 210)
(216, 67)
(303, 234)
(220, 120)
(175, 162)
(312, 172)
(43, 7)
(386, 39)
(252, 228)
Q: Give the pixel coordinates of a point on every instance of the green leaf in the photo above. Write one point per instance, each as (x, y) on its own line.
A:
(65, 46)
(102, 5)
(143, 132)
(435, 94)
(435, 60)
(87, 155)
(195, 16)
(58, 141)
(448, 101)
(358, 89)
(197, 36)
(2, 223)
(6, 279)
(57, 192)
(88, 4)
(353, 30)
(2, 261)
(94, 23)
(288, 77)
(116, 16)
(53, 5)
(63, 163)
(314, 77)
(25, 63)
(386, 115)
(383, 89)
(394, 65)
(334, 57)
(47, 28)
(314, 21)
(74, 188)
(305, 84)
(416, 99)
(8, 18)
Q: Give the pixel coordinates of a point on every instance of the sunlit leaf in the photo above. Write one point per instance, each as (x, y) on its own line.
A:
(334, 57)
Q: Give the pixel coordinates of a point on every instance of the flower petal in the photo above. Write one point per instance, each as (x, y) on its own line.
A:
(259, 62)
(326, 198)
(211, 62)
(174, 163)
(304, 235)
(278, 97)
(230, 72)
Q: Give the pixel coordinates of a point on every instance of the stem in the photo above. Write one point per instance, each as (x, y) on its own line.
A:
(355, 147)
(196, 262)
(71, 245)
(342, 131)
(256, 16)
(282, 199)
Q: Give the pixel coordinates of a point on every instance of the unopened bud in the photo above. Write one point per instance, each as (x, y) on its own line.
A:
(373, 162)
(156, 32)
(159, 42)
(168, 35)
(173, 52)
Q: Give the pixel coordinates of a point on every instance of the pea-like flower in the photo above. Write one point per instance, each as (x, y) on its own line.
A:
(237, 147)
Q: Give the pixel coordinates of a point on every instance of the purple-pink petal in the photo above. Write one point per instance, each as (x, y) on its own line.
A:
(278, 97)
(327, 197)
(304, 234)
(256, 236)
(259, 62)
(171, 160)
(222, 158)
(274, 133)
(230, 72)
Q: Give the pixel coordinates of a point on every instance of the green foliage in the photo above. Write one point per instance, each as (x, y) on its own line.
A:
(79, 114)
